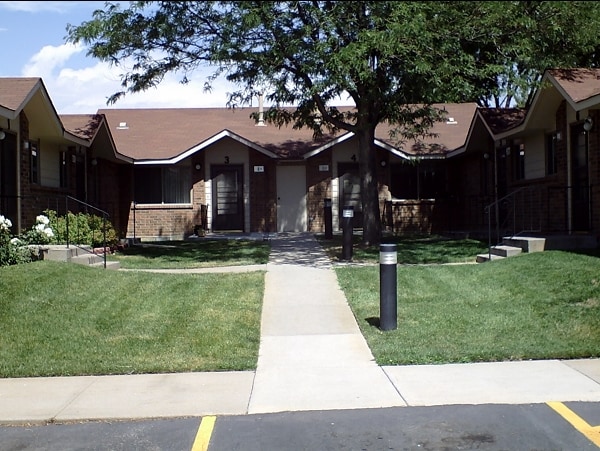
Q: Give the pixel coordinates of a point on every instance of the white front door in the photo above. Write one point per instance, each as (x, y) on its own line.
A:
(291, 199)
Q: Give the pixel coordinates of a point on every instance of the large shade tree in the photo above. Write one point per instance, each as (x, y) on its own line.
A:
(391, 60)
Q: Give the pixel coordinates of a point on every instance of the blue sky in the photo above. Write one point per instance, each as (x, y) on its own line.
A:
(33, 36)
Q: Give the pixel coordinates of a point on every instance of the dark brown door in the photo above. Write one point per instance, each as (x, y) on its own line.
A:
(227, 197)
(8, 179)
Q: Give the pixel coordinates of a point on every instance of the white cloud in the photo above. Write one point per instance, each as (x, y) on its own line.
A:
(48, 59)
(36, 7)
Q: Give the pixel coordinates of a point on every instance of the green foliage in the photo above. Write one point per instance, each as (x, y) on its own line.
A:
(40, 233)
(13, 251)
(83, 229)
(385, 57)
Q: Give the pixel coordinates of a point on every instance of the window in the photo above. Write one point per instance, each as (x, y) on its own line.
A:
(34, 160)
(62, 161)
(551, 143)
(163, 184)
(421, 180)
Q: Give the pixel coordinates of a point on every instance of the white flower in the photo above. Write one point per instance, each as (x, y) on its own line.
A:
(49, 233)
(41, 219)
(5, 223)
(40, 227)
(15, 241)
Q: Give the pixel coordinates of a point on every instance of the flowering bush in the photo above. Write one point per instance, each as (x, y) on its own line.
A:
(41, 232)
(13, 251)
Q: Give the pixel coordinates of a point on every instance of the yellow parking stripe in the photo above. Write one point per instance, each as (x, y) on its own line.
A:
(204, 432)
(591, 432)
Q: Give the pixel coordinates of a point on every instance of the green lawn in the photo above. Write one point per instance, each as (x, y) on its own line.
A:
(199, 253)
(534, 306)
(60, 319)
(410, 249)
(66, 319)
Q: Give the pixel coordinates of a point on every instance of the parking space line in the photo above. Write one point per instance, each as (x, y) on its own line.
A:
(591, 432)
(204, 433)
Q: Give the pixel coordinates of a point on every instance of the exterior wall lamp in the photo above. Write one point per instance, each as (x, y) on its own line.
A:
(588, 124)
(2, 134)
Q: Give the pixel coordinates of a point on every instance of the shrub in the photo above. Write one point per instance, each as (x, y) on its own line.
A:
(40, 233)
(84, 229)
(13, 251)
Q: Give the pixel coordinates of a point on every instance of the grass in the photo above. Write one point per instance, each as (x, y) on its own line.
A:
(534, 306)
(61, 319)
(410, 249)
(193, 254)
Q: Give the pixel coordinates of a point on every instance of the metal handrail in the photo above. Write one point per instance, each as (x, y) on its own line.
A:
(496, 204)
(104, 214)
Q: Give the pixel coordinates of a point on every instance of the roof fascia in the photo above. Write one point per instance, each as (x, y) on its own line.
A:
(463, 148)
(76, 139)
(7, 113)
(117, 154)
(205, 144)
(326, 146)
(577, 106)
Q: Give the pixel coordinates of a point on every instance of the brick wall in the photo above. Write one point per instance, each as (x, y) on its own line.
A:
(158, 222)
(319, 189)
(263, 194)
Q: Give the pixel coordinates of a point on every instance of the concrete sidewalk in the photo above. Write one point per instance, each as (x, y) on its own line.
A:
(312, 356)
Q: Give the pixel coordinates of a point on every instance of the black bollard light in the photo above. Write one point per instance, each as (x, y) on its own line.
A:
(328, 217)
(388, 300)
(347, 215)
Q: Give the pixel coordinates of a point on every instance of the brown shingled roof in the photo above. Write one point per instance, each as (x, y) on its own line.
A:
(502, 119)
(579, 84)
(165, 133)
(83, 126)
(448, 135)
(15, 90)
(161, 134)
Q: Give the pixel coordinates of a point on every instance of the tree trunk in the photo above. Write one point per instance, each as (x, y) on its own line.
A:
(369, 190)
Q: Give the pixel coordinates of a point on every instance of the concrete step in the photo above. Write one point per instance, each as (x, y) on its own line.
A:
(62, 253)
(109, 265)
(482, 258)
(506, 251)
(83, 255)
(527, 244)
(87, 259)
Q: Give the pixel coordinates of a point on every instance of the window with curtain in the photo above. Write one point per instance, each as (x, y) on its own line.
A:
(163, 184)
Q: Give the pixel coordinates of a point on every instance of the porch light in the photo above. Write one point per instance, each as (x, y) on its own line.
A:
(588, 124)
(2, 134)
(198, 166)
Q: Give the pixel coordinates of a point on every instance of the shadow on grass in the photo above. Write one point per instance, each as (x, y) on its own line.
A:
(203, 252)
(411, 249)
